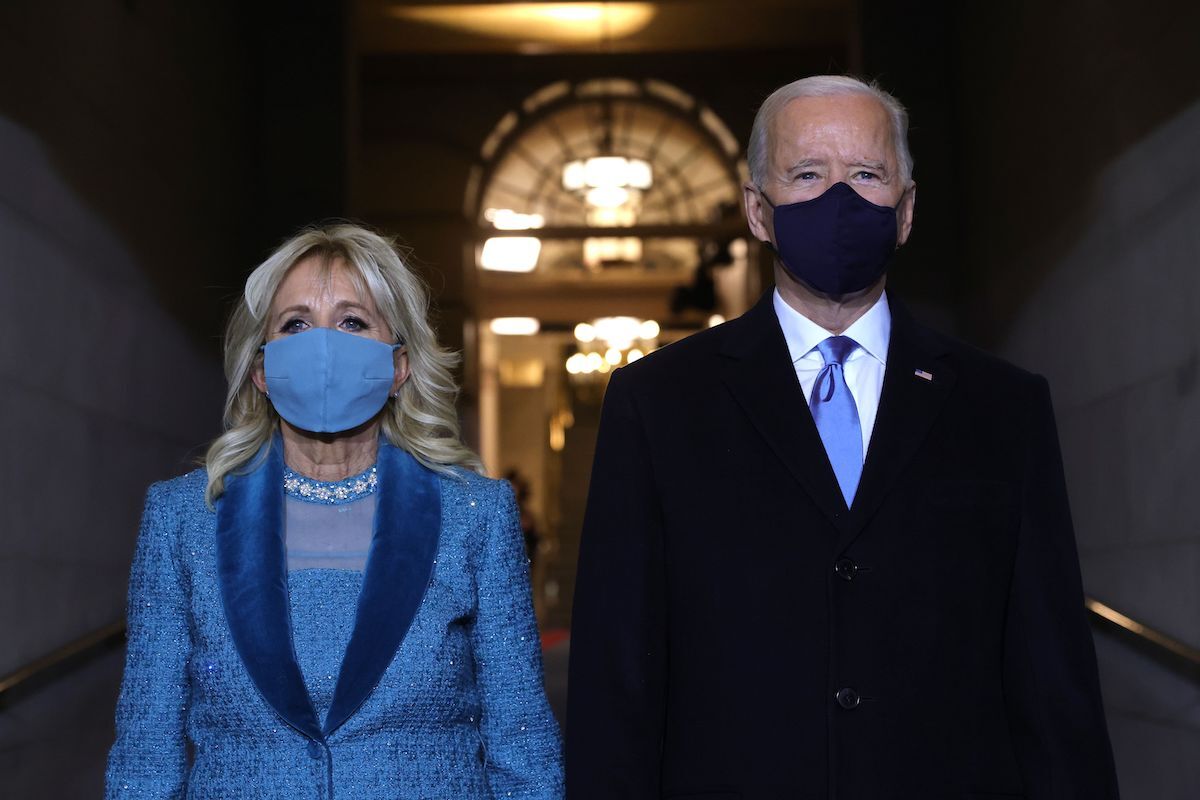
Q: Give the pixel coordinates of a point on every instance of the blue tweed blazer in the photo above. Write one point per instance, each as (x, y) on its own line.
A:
(420, 678)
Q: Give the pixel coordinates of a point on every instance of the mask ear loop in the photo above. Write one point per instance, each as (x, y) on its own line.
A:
(262, 350)
(766, 242)
(763, 194)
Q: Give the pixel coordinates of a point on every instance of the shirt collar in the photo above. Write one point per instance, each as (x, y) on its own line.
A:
(872, 331)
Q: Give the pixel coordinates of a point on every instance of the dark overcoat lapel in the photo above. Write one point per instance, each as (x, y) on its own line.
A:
(908, 405)
(252, 571)
(757, 370)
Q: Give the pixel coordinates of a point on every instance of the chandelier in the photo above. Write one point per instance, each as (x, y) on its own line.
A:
(604, 344)
(611, 185)
(608, 181)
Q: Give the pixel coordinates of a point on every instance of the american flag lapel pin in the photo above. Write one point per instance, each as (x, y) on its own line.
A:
(923, 375)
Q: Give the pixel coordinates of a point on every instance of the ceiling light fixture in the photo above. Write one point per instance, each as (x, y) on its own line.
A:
(563, 24)
(515, 326)
(510, 253)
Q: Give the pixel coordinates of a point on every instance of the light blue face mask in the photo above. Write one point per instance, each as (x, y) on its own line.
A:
(327, 381)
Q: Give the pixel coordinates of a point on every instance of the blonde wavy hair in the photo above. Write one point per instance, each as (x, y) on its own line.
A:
(421, 419)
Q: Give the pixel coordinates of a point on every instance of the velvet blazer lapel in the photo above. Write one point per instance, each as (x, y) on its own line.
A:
(252, 570)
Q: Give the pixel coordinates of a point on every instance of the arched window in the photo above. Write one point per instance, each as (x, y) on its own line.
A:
(603, 174)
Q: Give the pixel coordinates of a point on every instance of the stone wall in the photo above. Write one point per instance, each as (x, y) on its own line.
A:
(150, 155)
(1080, 169)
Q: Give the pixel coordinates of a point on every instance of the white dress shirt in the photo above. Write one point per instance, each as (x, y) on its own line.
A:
(864, 367)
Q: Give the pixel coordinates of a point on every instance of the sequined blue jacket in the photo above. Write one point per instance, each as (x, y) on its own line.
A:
(420, 678)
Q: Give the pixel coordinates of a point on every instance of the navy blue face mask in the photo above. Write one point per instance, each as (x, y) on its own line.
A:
(838, 243)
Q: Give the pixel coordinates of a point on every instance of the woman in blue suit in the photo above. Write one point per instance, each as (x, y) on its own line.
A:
(337, 606)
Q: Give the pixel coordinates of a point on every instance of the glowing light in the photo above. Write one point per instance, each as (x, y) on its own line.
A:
(574, 176)
(715, 320)
(608, 249)
(575, 12)
(612, 187)
(558, 438)
(515, 326)
(551, 23)
(634, 173)
(510, 253)
(607, 197)
(605, 171)
(620, 217)
(559, 422)
(638, 174)
(505, 219)
(618, 336)
(577, 364)
(618, 332)
(617, 171)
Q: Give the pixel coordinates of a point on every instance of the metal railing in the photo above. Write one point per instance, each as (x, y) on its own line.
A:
(1153, 641)
(1156, 641)
(80, 649)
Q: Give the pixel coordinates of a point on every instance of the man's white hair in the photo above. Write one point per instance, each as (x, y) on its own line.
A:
(825, 86)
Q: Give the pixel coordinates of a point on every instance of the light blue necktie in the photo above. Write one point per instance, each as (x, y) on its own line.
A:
(836, 415)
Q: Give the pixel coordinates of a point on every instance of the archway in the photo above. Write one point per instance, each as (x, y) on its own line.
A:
(608, 226)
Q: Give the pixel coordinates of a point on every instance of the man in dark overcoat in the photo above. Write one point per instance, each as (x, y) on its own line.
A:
(827, 551)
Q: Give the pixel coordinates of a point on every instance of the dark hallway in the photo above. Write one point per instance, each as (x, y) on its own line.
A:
(151, 154)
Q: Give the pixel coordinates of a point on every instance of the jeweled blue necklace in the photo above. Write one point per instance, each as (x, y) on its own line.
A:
(330, 493)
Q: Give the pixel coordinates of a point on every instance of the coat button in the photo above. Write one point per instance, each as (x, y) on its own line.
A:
(315, 751)
(845, 568)
(847, 698)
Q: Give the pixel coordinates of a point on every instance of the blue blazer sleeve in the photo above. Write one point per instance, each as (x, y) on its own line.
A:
(520, 736)
(149, 757)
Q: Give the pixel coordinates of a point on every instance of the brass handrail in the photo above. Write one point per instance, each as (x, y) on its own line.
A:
(1143, 632)
(80, 646)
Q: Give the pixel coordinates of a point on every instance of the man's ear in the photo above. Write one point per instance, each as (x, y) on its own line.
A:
(904, 214)
(756, 212)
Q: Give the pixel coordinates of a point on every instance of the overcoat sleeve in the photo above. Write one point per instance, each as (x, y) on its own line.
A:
(1052, 688)
(617, 700)
(149, 757)
(521, 741)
